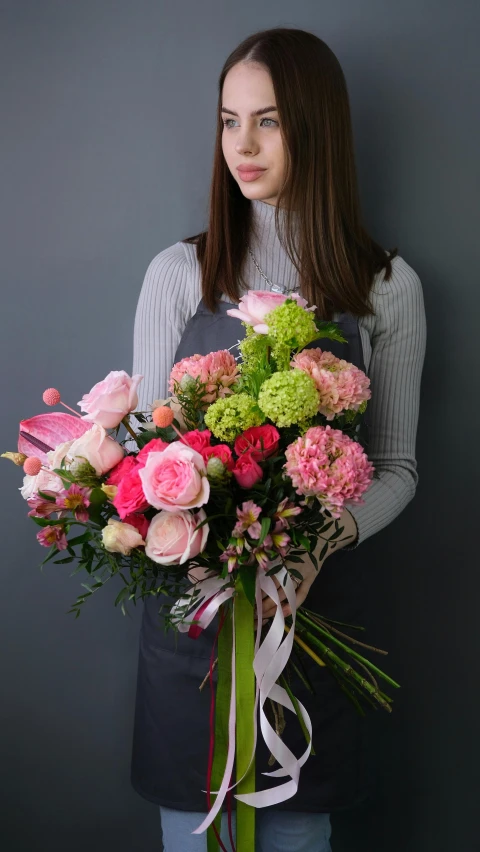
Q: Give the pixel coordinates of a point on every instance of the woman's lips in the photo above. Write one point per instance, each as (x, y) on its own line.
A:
(250, 175)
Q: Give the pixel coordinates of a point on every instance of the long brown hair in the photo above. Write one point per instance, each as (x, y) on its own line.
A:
(336, 258)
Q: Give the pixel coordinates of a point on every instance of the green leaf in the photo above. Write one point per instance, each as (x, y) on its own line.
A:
(64, 561)
(97, 496)
(266, 524)
(52, 552)
(79, 539)
(46, 496)
(43, 522)
(324, 550)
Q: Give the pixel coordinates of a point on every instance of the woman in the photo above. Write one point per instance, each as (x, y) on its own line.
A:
(283, 110)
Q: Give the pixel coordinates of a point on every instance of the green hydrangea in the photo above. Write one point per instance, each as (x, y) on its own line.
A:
(289, 327)
(230, 416)
(289, 397)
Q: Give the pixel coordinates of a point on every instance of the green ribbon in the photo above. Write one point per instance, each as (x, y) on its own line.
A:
(244, 711)
(245, 705)
(222, 709)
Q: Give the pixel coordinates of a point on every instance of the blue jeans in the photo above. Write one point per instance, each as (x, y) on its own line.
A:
(276, 831)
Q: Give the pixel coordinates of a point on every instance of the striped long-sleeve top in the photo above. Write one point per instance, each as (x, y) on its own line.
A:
(393, 341)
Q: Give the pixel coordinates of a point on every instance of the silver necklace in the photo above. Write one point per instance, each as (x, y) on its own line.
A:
(275, 288)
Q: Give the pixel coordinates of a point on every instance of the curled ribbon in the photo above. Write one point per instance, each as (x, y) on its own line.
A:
(270, 659)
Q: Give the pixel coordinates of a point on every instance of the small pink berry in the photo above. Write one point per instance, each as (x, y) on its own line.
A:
(163, 416)
(32, 466)
(51, 396)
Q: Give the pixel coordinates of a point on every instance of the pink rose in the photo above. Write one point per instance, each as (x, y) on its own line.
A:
(156, 445)
(219, 451)
(246, 471)
(96, 447)
(130, 497)
(171, 537)
(175, 479)
(140, 522)
(110, 400)
(258, 441)
(197, 440)
(256, 304)
(121, 469)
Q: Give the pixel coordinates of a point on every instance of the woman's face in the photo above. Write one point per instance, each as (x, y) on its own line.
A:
(252, 140)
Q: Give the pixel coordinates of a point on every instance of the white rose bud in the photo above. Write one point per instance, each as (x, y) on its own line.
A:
(215, 468)
(119, 537)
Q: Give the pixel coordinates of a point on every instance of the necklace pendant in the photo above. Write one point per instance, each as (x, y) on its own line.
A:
(276, 288)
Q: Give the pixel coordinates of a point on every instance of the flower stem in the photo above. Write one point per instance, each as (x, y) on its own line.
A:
(129, 428)
(352, 653)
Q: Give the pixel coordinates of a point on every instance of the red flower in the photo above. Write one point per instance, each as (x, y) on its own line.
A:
(197, 440)
(246, 471)
(130, 497)
(258, 441)
(121, 469)
(222, 452)
(156, 445)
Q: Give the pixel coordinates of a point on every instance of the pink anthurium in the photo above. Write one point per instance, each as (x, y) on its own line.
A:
(45, 432)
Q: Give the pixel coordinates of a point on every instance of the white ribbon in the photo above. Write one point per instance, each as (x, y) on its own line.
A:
(270, 659)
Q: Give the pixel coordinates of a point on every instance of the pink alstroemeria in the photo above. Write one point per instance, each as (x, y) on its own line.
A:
(53, 535)
(230, 555)
(75, 499)
(41, 508)
(261, 554)
(280, 539)
(286, 510)
(247, 520)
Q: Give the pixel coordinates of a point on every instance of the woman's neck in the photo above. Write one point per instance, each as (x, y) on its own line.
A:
(269, 253)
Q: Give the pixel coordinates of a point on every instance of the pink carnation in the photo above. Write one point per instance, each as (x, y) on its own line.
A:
(327, 464)
(341, 385)
(218, 370)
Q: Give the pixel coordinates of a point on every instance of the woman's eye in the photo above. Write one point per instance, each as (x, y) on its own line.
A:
(226, 120)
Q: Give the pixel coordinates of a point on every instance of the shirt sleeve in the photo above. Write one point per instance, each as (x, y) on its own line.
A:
(166, 302)
(398, 352)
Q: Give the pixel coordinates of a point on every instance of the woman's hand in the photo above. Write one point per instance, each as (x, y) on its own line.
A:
(308, 570)
(309, 574)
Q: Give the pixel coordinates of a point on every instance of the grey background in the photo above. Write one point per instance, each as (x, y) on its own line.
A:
(108, 116)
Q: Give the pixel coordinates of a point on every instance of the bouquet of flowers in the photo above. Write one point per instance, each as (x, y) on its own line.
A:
(241, 474)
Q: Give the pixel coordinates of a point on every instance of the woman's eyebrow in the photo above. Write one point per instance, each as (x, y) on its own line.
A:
(254, 113)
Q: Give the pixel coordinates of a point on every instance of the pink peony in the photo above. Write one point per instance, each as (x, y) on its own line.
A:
(110, 400)
(175, 479)
(256, 304)
(327, 464)
(341, 385)
(247, 471)
(172, 538)
(217, 370)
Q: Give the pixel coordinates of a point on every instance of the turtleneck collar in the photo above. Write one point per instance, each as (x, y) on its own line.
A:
(269, 253)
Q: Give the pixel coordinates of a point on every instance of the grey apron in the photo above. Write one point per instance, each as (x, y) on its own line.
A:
(171, 727)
